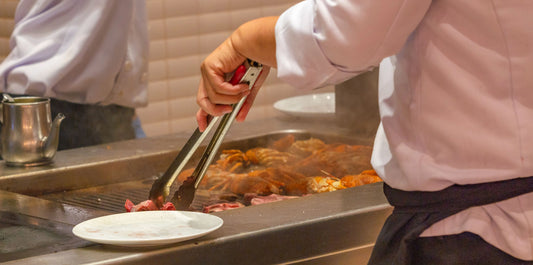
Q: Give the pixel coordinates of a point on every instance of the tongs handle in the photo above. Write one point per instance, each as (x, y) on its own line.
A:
(249, 75)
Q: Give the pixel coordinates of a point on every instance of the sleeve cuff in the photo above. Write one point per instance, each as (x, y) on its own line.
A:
(300, 60)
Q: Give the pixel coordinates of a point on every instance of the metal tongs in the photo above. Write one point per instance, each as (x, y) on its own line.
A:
(183, 197)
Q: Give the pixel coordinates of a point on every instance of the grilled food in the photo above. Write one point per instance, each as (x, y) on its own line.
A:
(290, 167)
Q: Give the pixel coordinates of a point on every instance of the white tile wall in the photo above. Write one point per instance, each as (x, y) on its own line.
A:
(191, 29)
(7, 12)
(182, 33)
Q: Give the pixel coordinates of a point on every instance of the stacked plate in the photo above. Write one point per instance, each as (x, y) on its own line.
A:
(308, 106)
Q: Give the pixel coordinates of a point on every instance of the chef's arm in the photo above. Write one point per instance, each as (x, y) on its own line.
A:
(254, 40)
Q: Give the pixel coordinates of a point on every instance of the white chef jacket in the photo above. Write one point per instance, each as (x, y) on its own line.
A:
(89, 52)
(456, 94)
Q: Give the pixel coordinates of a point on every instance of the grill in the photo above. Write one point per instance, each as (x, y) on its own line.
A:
(96, 181)
(112, 197)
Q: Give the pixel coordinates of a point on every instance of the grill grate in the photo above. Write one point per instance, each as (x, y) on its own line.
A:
(112, 197)
(113, 202)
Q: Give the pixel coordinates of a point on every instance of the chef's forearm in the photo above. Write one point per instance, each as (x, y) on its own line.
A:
(256, 40)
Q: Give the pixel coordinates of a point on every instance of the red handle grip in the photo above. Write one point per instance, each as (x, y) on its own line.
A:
(238, 74)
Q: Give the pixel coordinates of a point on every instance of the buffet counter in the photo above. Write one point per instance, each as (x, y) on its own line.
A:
(35, 223)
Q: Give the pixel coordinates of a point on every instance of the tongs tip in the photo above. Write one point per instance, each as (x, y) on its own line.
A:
(184, 196)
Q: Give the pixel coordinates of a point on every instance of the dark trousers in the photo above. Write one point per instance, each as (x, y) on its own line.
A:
(465, 248)
(87, 125)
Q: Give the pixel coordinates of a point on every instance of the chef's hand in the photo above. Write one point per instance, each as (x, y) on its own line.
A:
(254, 40)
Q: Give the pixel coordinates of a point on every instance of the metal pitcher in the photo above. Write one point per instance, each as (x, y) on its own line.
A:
(28, 136)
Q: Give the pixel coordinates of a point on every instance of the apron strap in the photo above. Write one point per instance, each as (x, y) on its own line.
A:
(415, 211)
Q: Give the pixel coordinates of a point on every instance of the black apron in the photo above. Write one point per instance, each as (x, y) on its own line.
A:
(415, 211)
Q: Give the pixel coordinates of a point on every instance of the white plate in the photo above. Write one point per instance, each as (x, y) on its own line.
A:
(147, 228)
(309, 106)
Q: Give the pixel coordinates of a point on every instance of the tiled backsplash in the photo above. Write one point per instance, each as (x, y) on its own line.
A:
(182, 33)
(7, 11)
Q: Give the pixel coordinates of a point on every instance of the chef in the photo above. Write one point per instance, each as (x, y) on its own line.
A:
(89, 57)
(455, 143)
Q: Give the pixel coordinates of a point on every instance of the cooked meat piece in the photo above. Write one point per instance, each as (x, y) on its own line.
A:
(218, 207)
(228, 197)
(168, 207)
(297, 188)
(270, 198)
(147, 205)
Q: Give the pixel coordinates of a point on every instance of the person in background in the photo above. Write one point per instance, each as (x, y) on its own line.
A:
(455, 143)
(89, 57)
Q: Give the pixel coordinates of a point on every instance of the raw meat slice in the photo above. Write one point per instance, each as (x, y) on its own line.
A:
(147, 205)
(270, 198)
(219, 207)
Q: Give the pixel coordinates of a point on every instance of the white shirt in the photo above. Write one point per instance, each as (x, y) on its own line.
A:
(456, 94)
(90, 52)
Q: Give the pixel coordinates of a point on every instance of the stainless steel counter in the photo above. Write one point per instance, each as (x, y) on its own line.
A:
(328, 228)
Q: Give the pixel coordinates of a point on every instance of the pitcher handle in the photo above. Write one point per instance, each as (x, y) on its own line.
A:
(5, 98)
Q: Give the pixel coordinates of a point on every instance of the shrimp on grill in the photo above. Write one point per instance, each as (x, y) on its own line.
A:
(339, 160)
(262, 182)
(332, 183)
(366, 177)
(233, 160)
(269, 157)
(288, 182)
(213, 176)
(245, 183)
(289, 167)
(324, 184)
(304, 148)
(284, 143)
